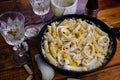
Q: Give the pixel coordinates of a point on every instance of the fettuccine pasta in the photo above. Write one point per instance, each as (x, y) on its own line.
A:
(76, 45)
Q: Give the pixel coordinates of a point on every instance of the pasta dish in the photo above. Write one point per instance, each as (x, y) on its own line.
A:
(75, 44)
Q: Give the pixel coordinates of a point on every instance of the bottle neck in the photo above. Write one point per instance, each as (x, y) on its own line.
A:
(91, 8)
(92, 4)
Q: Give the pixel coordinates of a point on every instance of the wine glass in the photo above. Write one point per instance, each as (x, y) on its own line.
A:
(40, 8)
(12, 30)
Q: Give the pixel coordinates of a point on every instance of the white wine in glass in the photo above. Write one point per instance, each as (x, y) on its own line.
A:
(14, 32)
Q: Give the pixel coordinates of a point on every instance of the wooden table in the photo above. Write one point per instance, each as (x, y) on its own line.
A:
(109, 72)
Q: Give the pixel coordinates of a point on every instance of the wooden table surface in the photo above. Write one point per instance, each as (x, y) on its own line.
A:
(10, 72)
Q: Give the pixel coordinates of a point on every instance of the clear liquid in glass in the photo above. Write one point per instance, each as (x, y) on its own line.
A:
(41, 7)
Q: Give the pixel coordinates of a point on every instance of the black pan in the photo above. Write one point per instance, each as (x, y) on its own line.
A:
(98, 23)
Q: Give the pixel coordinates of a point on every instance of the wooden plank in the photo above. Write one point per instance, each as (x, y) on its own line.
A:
(14, 74)
(110, 16)
(6, 6)
(33, 51)
(104, 4)
(111, 73)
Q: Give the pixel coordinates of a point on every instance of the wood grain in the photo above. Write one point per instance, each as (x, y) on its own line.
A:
(104, 74)
(110, 16)
(109, 72)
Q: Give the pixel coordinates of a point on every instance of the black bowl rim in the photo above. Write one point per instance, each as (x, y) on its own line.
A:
(64, 71)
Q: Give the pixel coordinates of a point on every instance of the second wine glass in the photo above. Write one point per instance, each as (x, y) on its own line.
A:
(40, 7)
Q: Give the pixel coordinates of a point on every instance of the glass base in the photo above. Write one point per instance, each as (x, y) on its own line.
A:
(20, 60)
(32, 30)
(10, 59)
(20, 56)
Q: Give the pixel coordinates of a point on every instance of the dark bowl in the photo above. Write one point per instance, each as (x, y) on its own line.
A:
(98, 23)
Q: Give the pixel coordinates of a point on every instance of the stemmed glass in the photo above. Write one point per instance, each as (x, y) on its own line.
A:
(40, 8)
(12, 30)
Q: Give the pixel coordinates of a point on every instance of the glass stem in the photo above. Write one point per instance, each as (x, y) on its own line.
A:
(19, 50)
(42, 17)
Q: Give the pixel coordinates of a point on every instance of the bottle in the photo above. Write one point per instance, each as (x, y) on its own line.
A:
(91, 8)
